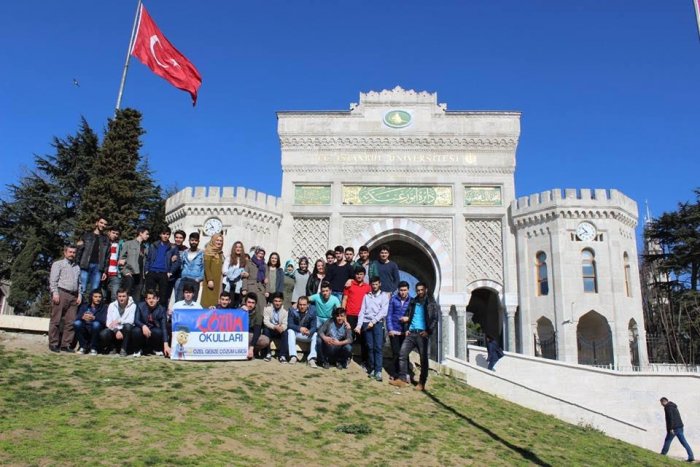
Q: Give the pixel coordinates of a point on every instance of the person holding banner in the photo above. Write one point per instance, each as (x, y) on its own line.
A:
(275, 322)
(151, 327)
(189, 299)
(224, 302)
(256, 341)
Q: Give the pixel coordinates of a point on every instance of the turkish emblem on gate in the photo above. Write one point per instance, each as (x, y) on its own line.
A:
(158, 54)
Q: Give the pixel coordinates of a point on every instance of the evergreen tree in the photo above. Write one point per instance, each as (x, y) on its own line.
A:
(671, 270)
(115, 194)
(678, 235)
(63, 196)
(28, 275)
(46, 201)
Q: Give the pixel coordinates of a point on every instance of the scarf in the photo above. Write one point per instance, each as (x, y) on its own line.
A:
(211, 250)
(260, 263)
(289, 262)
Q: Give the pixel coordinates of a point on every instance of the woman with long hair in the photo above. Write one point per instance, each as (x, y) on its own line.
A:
(234, 270)
(274, 275)
(314, 283)
(213, 264)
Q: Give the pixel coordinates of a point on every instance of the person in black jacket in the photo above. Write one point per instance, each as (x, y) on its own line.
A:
(420, 322)
(151, 327)
(93, 256)
(674, 427)
(90, 320)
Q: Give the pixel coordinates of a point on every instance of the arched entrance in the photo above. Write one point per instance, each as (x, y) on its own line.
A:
(634, 342)
(411, 240)
(545, 341)
(594, 340)
(414, 264)
(485, 304)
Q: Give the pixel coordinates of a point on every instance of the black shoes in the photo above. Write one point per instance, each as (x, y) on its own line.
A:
(67, 350)
(54, 348)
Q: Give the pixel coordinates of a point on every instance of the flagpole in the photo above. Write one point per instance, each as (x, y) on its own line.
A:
(128, 56)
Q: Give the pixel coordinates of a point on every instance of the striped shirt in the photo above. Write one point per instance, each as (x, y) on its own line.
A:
(112, 267)
(64, 275)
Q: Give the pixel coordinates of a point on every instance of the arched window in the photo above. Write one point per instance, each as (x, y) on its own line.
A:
(628, 274)
(541, 271)
(588, 270)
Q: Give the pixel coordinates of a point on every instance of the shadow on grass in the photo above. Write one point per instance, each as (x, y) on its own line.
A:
(525, 453)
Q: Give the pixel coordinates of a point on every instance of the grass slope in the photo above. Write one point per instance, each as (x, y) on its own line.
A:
(72, 409)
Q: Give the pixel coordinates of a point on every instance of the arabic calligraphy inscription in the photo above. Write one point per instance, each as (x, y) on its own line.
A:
(312, 195)
(397, 195)
(482, 196)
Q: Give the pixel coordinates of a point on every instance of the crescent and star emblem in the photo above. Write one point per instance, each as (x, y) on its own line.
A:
(156, 40)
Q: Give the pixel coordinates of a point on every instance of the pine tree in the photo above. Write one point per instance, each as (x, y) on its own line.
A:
(115, 194)
(46, 201)
(28, 275)
(60, 199)
(673, 313)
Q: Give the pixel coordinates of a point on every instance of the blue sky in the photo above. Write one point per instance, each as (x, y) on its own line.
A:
(608, 90)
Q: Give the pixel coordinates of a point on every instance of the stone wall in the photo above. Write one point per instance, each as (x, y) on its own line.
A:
(624, 405)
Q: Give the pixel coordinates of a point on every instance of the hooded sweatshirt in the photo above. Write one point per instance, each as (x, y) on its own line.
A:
(121, 315)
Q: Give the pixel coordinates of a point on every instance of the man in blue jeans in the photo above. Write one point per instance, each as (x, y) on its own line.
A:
(301, 327)
(370, 322)
(674, 427)
(92, 256)
(89, 322)
(420, 321)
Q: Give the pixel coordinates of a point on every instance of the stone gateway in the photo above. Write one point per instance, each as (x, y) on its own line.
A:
(553, 274)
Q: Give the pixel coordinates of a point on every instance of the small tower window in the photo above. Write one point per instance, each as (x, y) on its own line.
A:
(588, 269)
(628, 274)
(541, 270)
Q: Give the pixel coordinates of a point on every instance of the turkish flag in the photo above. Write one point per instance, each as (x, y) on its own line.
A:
(158, 54)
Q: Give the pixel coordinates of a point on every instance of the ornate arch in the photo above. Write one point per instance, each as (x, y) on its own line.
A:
(419, 236)
(486, 284)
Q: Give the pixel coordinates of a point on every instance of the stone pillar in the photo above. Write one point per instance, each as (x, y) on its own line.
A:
(447, 331)
(510, 327)
(461, 334)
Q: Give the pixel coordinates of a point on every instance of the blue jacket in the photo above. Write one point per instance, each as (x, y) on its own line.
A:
(170, 265)
(396, 311)
(192, 269)
(296, 321)
(159, 318)
(100, 313)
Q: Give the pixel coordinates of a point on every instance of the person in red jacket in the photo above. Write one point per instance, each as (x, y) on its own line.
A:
(353, 295)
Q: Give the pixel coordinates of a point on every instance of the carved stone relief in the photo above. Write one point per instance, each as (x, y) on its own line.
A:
(484, 249)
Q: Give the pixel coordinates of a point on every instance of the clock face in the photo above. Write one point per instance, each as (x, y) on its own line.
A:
(585, 231)
(212, 226)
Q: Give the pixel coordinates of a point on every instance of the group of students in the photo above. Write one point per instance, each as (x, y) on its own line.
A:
(341, 301)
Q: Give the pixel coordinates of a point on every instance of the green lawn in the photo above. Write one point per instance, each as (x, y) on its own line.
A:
(81, 410)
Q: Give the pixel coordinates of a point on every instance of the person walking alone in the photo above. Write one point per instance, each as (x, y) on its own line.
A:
(674, 427)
